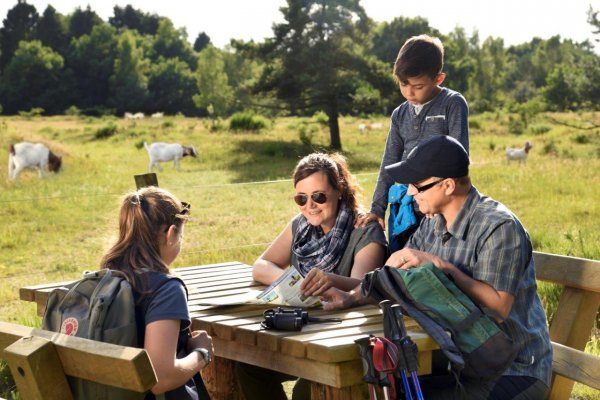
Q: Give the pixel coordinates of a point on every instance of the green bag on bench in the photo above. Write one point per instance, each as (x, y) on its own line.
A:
(473, 342)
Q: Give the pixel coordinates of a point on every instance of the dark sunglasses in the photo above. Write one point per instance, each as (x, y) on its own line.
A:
(421, 189)
(317, 197)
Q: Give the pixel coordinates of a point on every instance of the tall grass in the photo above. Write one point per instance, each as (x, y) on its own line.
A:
(54, 228)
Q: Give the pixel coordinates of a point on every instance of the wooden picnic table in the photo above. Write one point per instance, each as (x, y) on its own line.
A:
(323, 353)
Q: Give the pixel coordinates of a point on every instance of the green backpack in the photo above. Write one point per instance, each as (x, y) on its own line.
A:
(100, 306)
(473, 342)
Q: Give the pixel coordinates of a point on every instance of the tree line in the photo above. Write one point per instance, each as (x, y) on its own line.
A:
(326, 55)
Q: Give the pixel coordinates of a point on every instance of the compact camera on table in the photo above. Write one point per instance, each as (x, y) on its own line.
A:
(290, 319)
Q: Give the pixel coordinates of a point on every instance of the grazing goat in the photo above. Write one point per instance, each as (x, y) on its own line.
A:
(367, 127)
(519, 155)
(31, 155)
(158, 115)
(159, 152)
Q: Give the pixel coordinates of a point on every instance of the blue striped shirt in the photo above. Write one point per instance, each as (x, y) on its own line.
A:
(488, 243)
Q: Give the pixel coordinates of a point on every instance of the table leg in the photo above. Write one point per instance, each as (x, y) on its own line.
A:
(220, 380)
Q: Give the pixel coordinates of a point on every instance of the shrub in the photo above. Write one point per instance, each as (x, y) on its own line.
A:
(73, 111)
(581, 139)
(34, 112)
(539, 129)
(305, 134)
(515, 125)
(474, 124)
(167, 124)
(549, 148)
(321, 118)
(106, 131)
(246, 121)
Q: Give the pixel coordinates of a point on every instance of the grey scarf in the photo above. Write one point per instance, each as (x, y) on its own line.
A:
(314, 249)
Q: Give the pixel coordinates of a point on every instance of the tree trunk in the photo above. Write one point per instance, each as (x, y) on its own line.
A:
(334, 126)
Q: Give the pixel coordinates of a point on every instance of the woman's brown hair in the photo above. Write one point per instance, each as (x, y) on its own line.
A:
(144, 217)
(335, 167)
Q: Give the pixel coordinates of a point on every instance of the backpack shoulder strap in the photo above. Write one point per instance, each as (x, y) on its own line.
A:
(384, 284)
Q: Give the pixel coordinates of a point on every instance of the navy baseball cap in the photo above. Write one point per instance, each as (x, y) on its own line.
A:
(440, 156)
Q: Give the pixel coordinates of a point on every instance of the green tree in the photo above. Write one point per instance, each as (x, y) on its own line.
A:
(18, 25)
(32, 78)
(388, 37)
(51, 30)
(129, 82)
(560, 92)
(215, 93)
(91, 61)
(170, 43)
(202, 40)
(172, 85)
(130, 18)
(316, 58)
(81, 22)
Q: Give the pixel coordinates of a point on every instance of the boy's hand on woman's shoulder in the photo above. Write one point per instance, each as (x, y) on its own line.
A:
(363, 219)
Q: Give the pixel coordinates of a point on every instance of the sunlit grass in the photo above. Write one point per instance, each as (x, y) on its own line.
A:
(54, 228)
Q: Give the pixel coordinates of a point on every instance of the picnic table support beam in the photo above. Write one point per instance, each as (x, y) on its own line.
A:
(37, 369)
(218, 378)
(571, 326)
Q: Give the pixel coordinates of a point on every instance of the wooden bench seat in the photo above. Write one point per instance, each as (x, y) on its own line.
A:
(573, 321)
(40, 360)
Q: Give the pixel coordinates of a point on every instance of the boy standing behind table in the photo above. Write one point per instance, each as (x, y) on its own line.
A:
(429, 110)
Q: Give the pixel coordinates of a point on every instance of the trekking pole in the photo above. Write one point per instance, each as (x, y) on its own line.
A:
(385, 361)
(408, 348)
(391, 332)
(366, 355)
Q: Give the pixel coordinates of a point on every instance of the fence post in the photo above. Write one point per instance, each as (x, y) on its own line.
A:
(144, 180)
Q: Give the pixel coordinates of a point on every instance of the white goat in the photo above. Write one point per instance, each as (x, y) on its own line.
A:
(519, 155)
(31, 155)
(158, 115)
(159, 152)
(363, 128)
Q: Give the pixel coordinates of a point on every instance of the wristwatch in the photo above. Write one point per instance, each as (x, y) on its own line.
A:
(205, 355)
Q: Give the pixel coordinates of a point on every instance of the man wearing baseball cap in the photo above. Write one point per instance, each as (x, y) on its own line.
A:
(482, 245)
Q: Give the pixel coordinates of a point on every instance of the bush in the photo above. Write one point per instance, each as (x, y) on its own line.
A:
(515, 125)
(581, 139)
(73, 111)
(246, 121)
(539, 129)
(106, 131)
(474, 124)
(321, 118)
(34, 112)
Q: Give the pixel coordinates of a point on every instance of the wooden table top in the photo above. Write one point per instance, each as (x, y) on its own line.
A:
(321, 352)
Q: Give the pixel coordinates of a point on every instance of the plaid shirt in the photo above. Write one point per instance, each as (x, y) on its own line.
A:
(488, 243)
(446, 114)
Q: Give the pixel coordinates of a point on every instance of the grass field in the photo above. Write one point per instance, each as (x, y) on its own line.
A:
(54, 228)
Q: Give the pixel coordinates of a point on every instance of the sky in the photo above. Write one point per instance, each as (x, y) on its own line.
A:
(516, 21)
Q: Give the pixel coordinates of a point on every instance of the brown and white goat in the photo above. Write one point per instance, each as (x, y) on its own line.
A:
(519, 155)
(31, 155)
(159, 152)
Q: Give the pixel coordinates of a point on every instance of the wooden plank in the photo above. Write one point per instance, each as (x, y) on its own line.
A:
(28, 293)
(37, 369)
(191, 268)
(571, 326)
(568, 271)
(338, 375)
(110, 364)
(576, 365)
(296, 345)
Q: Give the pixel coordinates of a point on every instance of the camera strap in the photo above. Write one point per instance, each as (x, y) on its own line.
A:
(315, 319)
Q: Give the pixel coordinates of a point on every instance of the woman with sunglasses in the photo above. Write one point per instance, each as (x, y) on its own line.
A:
(323, 244)
(151, 223)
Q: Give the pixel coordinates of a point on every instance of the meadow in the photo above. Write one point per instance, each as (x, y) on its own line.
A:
(53, 229)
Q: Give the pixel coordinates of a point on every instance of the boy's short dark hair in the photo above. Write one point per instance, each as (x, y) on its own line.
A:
(420, 55)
